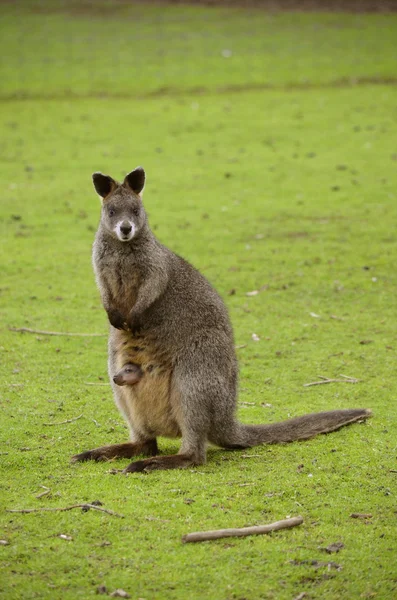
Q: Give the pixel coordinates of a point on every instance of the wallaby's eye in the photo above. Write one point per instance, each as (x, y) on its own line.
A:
(111, 212)
(135, 211)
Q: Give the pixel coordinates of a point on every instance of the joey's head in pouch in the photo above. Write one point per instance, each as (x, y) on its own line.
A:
(123, 215)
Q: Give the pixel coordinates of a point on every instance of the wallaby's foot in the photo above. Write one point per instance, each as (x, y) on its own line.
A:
(174, 461)
(128, 375)
(127, 450)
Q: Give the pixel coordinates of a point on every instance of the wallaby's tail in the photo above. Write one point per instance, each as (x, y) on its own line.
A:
(300, 428)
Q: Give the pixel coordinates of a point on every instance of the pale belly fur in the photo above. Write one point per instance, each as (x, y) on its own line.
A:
(150, 406)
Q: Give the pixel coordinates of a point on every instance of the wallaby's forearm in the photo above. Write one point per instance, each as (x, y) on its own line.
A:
(148, 293)
(116, 319)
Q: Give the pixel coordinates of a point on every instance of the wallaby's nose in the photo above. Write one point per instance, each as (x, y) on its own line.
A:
(118, 379)
(125, 228)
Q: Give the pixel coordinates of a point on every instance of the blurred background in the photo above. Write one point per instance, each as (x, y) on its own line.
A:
(61, 48)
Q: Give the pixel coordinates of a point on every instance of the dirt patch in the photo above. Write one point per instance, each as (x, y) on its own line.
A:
(167, 91)
(298, 5)
(102, 8)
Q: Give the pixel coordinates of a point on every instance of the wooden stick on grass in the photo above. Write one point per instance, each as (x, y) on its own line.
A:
(41, 332)
(45, 493)
(345, 379)
(201, 536)
(61, 509)
(64, 422)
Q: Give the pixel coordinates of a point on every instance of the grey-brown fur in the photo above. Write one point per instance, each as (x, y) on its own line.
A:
(175, 327)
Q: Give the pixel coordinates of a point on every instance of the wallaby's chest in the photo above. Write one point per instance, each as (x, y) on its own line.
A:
(118, 278)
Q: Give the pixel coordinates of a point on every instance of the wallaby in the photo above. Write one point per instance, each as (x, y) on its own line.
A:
(130, 374)
(171, 323)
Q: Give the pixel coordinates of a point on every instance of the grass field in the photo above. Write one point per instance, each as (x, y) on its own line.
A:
(269, 142)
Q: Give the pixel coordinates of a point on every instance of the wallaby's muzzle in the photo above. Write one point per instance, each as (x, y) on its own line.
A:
(125, 231)
(125, 227)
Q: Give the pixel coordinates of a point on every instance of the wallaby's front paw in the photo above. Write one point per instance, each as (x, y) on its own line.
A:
(116, 319)
(134, 324)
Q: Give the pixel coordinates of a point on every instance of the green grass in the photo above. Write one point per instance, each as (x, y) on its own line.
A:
(111, 48)
(292, 189)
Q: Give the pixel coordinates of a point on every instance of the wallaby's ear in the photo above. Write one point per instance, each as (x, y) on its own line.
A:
(103, 184)
(136, 180)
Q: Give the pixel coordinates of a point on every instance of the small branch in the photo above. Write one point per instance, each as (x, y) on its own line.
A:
(62, 509)
(94, 383)
(64, 422)
(237, 483)
(41, 332)
(45, 493)
(201, 536)
(243, 484)
(250, 455)
(346, 379)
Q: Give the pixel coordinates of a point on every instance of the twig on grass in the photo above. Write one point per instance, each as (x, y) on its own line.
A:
(236, 483)
(94, 383)
(64, 422)
(41, 332)
(242, 484)
(85, 507)
(346, 379)
(45, 493)
(201, 536)
(250, 455)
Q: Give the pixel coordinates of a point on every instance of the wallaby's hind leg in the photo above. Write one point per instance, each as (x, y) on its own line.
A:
(173, 461)
(127, 450)
(192, 453)
(188, 394)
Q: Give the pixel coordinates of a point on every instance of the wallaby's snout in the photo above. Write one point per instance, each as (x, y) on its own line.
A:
(125, 227)
(130, 374)
(118, 379)
(125, 230)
